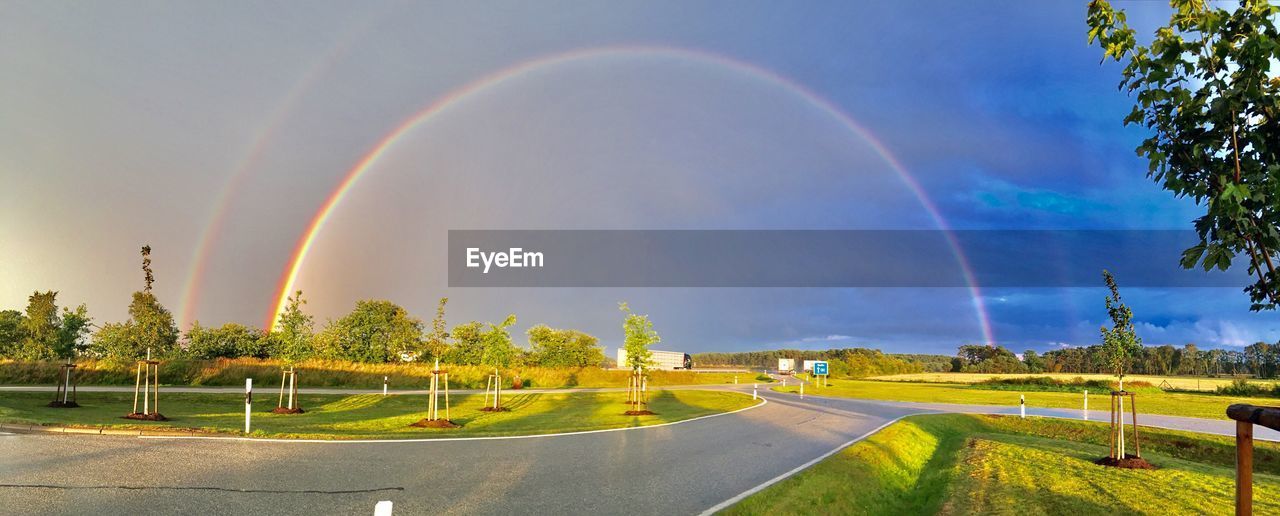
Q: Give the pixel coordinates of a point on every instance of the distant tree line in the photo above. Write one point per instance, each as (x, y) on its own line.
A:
(375, 331)
(843, 363)
(1259, 359)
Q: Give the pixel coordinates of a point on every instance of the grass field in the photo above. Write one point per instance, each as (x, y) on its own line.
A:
(335, 373)
(967, 464)
(1183, 383)
(1209, 406)
(373, 416)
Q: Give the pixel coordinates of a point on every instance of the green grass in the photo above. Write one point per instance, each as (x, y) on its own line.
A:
(1202, 405)
(972, 464)
(338, 373)
(372, 416)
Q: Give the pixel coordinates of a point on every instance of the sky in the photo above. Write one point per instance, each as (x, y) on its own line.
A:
(216, 132)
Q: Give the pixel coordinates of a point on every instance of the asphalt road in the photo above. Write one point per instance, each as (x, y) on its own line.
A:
(678, 469)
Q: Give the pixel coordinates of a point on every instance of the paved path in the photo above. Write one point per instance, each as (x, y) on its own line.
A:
(678, 469)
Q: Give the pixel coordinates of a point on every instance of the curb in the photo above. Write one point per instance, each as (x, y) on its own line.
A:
(97, 431)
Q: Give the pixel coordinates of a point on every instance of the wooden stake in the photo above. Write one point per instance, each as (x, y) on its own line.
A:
(1113, 427)
(156, 406)
(1244, 468)
(136, 384)
(146, 392)
(1137, 445)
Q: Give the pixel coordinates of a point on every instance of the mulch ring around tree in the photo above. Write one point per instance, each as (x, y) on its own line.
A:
(438, 423)
(64, 404)
(155, 416)
(639, 413)
(495, 409)
(1128, 462)
(287, 410)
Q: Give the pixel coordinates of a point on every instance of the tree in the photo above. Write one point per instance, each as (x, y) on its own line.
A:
(1119, 342)
(232, 340)
(10, 332)
(468, 344)
(1034, 363)
(638, 335)
(552, 347)
(40, 328)
(292, 340)
(498, 349)
(375, 331)
(151, 326)
(436, 341)
(1204, 91)
(73, 332)
(1190, 363)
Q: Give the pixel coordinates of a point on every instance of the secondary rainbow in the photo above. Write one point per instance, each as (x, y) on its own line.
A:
(258, 146)
(303, 247)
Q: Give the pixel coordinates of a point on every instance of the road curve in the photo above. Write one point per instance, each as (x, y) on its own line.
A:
(678, 469)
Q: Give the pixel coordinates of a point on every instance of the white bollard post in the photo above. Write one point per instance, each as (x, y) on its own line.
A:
(753, 391)
(248, 402)
(1022, 406)
(384, 386)
(801, 390)
(784, 382)
(383, 508)
(735, 379)
(1086, 404)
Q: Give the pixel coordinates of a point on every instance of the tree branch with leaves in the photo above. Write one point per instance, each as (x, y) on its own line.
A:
(1205, 90)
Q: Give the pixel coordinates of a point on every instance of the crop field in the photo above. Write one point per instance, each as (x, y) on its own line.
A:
(968, 464)
(1190, 404)
(373, 416)
(1183, 383)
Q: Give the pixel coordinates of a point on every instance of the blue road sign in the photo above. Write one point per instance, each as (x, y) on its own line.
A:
(819, 368)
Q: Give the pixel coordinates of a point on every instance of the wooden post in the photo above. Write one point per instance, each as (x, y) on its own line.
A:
(1244, 468)
(446, 398)
(1113, 427)
(1137, 445)
(284, 375)
(156, 405)
(146, 389)
(137, 383)
(1245, 417)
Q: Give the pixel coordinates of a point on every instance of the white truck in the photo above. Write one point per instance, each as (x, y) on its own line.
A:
(786, 365)
(665, 360)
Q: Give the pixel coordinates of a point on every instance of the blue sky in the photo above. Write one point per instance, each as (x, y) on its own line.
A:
(124, 121)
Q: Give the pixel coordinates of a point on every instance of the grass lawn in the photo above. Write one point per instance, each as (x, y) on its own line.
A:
(355, 375)
(372, 416)
(1184, 383)
(970, 464)
(1210, 406)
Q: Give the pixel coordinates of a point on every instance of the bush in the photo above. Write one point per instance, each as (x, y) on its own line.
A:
(1241, 387)
(1050, 384)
